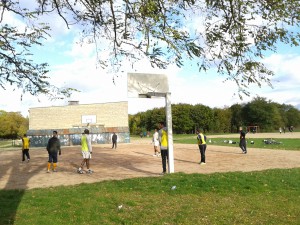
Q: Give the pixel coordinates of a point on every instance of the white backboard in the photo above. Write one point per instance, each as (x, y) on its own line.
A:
(88, 119)
(139, 84)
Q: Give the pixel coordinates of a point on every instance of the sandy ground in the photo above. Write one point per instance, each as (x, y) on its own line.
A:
(136, 160)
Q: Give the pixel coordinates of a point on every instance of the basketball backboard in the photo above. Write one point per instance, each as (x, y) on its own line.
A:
(140, 85)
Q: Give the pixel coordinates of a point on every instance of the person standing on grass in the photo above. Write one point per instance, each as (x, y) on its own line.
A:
(201, 138)
(155, 143)
(53, 148)
(114, 139)
(163, 142)
(243, 141)
(86, 150)
(25, 148)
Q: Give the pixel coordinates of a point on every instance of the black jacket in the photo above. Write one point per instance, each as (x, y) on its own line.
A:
(53, 145)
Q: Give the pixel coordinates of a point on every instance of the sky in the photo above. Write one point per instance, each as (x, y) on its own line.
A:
(75, 66)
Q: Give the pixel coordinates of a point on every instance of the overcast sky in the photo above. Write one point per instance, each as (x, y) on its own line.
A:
(74, 66)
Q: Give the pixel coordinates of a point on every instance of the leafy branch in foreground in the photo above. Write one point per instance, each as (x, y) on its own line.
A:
(17, 67)
(231, 36)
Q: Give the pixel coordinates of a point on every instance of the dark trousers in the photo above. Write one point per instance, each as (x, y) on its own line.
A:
(52, 157)
(164, 158)
(243, 145)
(202, 149)
(25, 152)
(114, 144)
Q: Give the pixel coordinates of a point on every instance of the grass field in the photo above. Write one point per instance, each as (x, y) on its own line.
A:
(274, 143)
(266, 197)
(261, 197)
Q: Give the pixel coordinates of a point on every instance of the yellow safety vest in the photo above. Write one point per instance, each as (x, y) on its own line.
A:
(84, 144)
(164, 139)
(25, 143)
(201, 139)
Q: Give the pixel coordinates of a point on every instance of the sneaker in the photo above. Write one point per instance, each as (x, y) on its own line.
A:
(202, 163)
(163, 173)
(158, 155)
(48, 171)
(154, 155)
(79, 170)
(28, 160)
(90, 171)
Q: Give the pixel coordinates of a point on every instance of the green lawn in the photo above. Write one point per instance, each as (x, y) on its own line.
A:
(265, 197)
(282, 144)
(10, 144)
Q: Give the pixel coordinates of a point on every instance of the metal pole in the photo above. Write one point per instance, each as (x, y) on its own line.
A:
(170, 132)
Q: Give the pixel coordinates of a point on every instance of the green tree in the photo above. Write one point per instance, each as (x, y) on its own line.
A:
(236, 117)
(228, 36)
(13, 125)
(202, 117)
(157, 115)
(293, 117)
(133, 124)
(222, 120)
(262, 113)
(182, 122)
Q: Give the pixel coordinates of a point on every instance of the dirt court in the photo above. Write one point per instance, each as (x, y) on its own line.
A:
(136, 160)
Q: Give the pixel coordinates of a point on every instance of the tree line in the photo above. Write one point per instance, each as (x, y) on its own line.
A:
(13, 125)
(267, 115)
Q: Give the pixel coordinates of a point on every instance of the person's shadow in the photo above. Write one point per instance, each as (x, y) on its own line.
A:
(15, 173)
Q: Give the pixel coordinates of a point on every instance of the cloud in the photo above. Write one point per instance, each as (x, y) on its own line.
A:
(74, 65)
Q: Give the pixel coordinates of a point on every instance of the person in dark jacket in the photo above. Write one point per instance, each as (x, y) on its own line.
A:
(53, 148)
(114, 140)
(243, 141)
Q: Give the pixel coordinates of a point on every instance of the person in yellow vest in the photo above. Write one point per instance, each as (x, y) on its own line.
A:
(53, 148)
(86, 150)
(163, 142)
(202, 145)
(25, 148)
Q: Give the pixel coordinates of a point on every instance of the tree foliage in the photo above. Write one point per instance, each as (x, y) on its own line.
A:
(231, 35)
(13, 125)
(269, 116)
(17, 67)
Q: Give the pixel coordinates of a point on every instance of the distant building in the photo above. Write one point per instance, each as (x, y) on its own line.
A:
(102, 119)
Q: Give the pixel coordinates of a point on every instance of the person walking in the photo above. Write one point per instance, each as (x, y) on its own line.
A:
(163, 142)
(114, 139)
(243, 141)
(155, 143)
(25, 148)
(86, 150)
(201, 138)
(53, 148)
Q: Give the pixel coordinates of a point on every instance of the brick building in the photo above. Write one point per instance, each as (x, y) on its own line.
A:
(102, 119)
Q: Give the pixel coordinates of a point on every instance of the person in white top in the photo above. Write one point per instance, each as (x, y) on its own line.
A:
(155, 143)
